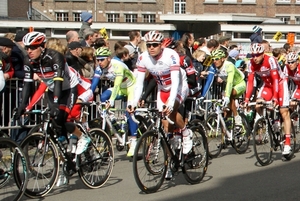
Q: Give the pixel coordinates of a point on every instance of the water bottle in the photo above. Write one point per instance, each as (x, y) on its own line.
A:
(72, 144)
(229, 122)
(123, 126)
(114, 122)
(63, 141)
(276, 125)
(249, 116)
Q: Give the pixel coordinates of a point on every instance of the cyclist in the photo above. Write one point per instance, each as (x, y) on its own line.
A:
(51, 68)
(234, 78)
(124, 83)
(275, 87)
(164, 65)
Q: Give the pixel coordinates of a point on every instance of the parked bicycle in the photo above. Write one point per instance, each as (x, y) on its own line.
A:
(268, 134)
(222, 131)
(13, 170)
(154, 153)
(44, 153)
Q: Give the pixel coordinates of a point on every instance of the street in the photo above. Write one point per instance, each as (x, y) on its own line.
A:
(229, 177)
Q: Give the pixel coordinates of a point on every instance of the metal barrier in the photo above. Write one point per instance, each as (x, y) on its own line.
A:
(11, 98)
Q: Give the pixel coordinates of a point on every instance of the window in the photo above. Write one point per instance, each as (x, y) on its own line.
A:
(283, 1)
(285, 19)
(148, 18)
(297, 20)
(113, 17)
(76, 17)
(130, 17)
(179, 6)
(229, 1)
(62, 16)
(248, 1)
(211, 1)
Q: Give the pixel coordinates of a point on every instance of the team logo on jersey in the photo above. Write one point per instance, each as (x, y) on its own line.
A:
(173, 59)
(263, 68)
(26, 68)
(55, 66)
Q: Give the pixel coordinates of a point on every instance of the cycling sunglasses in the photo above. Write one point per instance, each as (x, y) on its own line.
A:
(291, 62)
(152, 44)
(256, 55)
(31, 47)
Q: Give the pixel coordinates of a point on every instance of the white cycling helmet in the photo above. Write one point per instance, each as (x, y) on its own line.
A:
(257, 48)
(292, 56)
(34, 39)
(154, 36)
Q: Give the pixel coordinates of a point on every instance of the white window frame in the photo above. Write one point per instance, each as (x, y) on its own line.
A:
(181, 4)
(229, 1)
(76, 16)
(131, 17)
(115, 17)
(149, 18)
(283, 1)
(211, 1)
(248, 1)
(285, 19)
(64, 16)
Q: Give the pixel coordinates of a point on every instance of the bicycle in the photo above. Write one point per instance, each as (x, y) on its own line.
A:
(268, 135)
(150, 160)
(12, 160)
(44, 153)
(221, 132)
(115, 127)
(295, 117)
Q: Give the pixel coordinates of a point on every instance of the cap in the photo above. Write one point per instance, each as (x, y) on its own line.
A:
(74, 44)
(85, 16)
(6, 42)
(20, 35)
(233, 53)
(256, 29)
(130, 49)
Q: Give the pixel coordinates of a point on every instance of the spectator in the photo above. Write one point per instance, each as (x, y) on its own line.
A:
(224, 44)
(200, 43)
(267, 47)
(100, 42)
(256, 36)
(188, 41)
(135, 39)
(87, 20)
(90, 37)
(233, 55)
(72, 36)
(87, 55)
(287, 47)
(73, 56)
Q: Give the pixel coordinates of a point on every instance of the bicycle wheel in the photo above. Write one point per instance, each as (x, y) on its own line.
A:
(96, 163)
(97, 123)
(214, 135)
(262, 141)
(43, 163)
(241, 136)
(296, 126)
(149, 162)
(12, 160)
(198, 122)
(195, 165)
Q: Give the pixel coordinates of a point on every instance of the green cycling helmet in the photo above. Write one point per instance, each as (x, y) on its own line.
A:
(102, 52)
(218, 54)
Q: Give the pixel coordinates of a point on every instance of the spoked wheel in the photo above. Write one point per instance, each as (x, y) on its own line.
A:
(296, 126)
(12, 161)
(214, 135)
(43, 164)
(241, 136)
(96, 163)
(196, 162)
(262, 141)
(149, 162)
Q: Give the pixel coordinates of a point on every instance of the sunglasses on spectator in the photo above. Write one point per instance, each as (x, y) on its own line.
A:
(291, 62)
(152, 44)
(31, 47)
(256, 55)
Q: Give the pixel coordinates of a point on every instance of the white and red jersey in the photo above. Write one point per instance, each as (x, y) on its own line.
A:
(269, 71)
(293, 74)
(165, 69)
(83, 87)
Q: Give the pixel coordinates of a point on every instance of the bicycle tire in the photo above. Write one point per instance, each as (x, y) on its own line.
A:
(241, 137)
(97, 123)
(198, 122)
(196, 163)
(262, 141)
(12, 160)
(96, 163)
(296, 125)
(150, 162)
(41, 179)
(214, 135)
